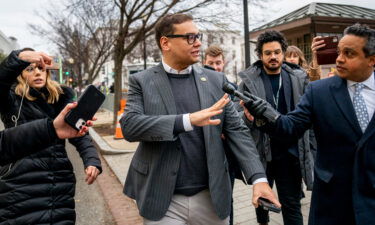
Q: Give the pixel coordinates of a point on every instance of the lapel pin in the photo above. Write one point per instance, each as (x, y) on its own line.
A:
(203, 79)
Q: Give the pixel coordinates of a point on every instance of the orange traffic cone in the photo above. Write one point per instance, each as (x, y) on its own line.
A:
(118, 133)
(122, 104)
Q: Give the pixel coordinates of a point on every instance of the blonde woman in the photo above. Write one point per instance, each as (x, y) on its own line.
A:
(38, 188)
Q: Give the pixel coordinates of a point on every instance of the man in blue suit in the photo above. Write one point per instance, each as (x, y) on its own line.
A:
(341, 110)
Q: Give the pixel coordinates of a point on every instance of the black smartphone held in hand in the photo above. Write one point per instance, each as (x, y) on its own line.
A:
(328, 53)
(267, 205)
(88, 104)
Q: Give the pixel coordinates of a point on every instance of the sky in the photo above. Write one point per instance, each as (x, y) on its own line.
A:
(15, 16)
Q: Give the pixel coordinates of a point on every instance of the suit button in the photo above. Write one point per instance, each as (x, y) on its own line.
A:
(174, 173)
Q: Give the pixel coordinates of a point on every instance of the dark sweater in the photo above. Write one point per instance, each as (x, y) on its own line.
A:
(272, 85)
(193, 173)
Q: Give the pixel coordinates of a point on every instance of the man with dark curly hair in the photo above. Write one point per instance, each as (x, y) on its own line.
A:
(286, 160)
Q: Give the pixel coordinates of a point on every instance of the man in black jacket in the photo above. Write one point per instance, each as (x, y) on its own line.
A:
(286, 160)
(40, 133)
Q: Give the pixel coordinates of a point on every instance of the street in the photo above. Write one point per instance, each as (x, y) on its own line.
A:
(90, 206)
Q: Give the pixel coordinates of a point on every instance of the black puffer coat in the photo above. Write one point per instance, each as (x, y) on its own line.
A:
(39, 188)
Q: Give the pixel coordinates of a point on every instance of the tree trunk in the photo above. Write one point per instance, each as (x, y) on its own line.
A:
(118, 58)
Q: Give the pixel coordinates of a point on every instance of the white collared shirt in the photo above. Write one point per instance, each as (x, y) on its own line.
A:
(368, 93)
(169, 69)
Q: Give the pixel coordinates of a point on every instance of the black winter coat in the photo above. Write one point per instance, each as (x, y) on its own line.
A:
(38, 188)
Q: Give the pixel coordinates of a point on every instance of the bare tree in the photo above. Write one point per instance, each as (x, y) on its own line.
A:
(138, 18)
(91, 30)
(81, 34)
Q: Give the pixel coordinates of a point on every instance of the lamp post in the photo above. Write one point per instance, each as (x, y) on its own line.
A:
(247, 41)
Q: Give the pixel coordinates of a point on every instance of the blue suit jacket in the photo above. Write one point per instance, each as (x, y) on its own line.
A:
(344, 186)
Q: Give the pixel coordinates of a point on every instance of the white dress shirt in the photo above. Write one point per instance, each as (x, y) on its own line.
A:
(169, 69)
(368, 93)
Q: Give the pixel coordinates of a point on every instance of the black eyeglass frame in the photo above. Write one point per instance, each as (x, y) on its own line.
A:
(190, 38)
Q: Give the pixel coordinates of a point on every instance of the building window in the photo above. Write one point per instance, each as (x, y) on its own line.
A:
(221, 40)
(233, 40)
(307, 47)
(210, 39)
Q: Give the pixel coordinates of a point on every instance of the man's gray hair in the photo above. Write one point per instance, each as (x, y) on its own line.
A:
(366, 32)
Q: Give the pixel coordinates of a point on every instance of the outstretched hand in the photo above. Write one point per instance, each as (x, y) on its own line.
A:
(246, 112)
(64, 130)
(256, 106)
(203, 117)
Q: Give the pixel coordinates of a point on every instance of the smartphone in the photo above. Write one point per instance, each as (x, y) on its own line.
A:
(330, 42)
(328, 53)
(267, 205)
(88, 104)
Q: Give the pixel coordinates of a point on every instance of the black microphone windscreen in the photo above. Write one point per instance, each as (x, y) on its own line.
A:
(227, 88)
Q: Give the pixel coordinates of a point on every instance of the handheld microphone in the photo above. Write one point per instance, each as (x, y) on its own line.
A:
(267, 111)
(228, 88)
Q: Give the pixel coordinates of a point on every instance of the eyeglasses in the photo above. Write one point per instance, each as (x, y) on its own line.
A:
(190, 38)
(269, 53)
(31, 69)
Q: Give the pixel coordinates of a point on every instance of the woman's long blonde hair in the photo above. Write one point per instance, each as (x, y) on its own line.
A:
(53, 88)
(291, 50)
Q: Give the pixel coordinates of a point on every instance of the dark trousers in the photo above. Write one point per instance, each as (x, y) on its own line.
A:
(286, 174)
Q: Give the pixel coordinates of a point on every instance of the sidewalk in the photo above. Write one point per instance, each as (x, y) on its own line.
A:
(244, 213)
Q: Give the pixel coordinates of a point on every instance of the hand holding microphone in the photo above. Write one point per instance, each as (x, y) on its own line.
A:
(257, 107)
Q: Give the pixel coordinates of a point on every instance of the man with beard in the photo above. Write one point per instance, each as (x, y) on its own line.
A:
(286, 160)
(341, 111)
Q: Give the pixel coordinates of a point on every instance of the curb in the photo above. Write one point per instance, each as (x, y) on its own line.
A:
(123, 209)
(103, 146)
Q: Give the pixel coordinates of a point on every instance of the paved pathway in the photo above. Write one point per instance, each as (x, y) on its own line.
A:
(91, 207)
(244, 213)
